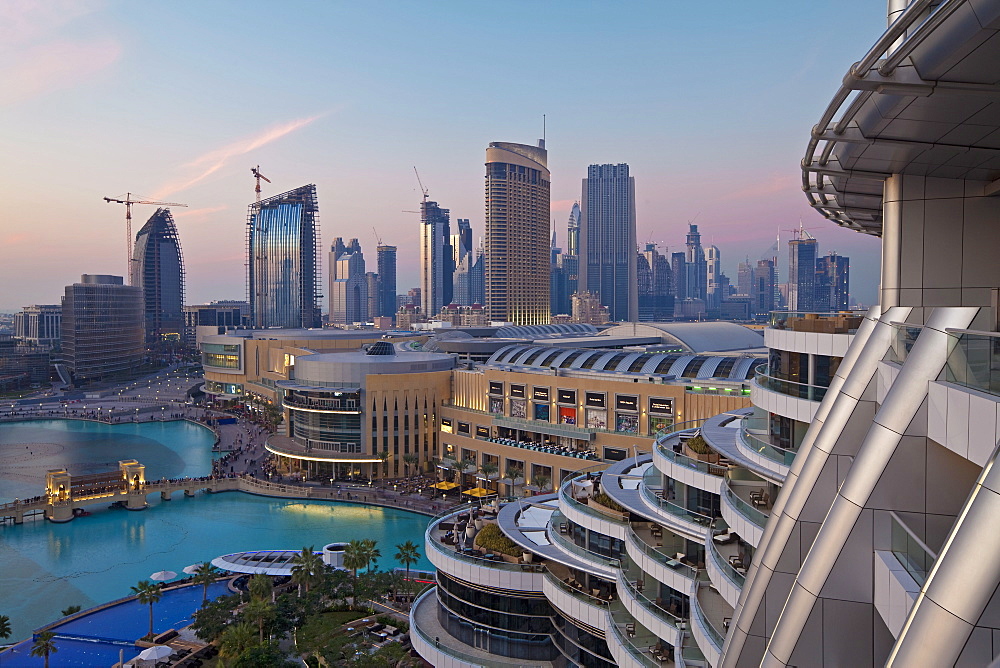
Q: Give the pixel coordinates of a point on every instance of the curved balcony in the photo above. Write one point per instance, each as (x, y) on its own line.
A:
(439, 648)
(648, 612)
(746, 504)
(766, 458)
(288, 447)
(634, 646)
(683, 468)
(590, 514)
(670, 514)
(573, 601)
(798, 401)
(558, 533)
(722, 569)
(705, 627)
(661, 564)
(472, 565)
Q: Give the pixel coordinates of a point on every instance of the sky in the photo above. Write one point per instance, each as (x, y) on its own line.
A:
(711, 105)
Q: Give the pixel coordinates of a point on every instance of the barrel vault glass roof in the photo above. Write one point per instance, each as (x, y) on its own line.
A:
(544, 331)
(616, 361)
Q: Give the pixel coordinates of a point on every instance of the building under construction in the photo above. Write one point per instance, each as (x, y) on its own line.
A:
(283, 260)
(158, 269)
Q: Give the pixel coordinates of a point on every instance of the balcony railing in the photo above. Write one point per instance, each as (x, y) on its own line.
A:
(580, 594)
(564, 541)
(975, 360)
(320, 406)
(910, 551)
(636, 642)
(762, 447)
(597, 511)
(737, 578)
(903, 338)
(659, 556)
(699, 617)
(690, 462)
(652, 495)
(743, 507)
(665, 615)
(840, 322)
(788, 387)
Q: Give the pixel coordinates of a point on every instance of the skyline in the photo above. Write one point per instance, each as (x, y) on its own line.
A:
(167, 102)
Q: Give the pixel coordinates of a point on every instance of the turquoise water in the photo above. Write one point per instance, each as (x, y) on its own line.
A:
(47, 567)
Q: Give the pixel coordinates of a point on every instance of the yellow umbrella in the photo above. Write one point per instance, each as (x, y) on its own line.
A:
(477, 492)
(445, 485)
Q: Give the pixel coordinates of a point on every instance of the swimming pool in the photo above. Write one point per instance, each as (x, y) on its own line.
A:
(99, 638)
(48, 567)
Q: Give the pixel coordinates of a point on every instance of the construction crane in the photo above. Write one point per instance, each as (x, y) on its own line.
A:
(799, 232)
(422, 189)
(378, 239)
(257, 175)
(128, 202)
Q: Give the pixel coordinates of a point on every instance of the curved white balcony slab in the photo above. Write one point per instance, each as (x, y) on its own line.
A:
(575, 604)
(810, 343)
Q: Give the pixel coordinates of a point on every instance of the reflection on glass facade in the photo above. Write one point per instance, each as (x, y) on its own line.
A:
(282, 260)
(158, 268)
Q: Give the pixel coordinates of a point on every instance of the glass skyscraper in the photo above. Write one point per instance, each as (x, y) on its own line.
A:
(607, 240)
(282, 260)
(158, 269)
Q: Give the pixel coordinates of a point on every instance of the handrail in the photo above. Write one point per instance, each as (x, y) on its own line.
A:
(594, 511)
(763, 448)
(661, 557)
(911, 552)
(581, 594)
(782, 386)
(674, 509)
(753, 514)
(701, 619)
(646, 602)
(737, 578)
(690, 462)
(634, 651)
(565, 542)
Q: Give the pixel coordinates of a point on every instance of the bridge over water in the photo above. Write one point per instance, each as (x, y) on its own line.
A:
(66, 495)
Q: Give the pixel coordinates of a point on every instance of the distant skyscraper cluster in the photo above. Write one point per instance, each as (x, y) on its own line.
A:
(816, 283)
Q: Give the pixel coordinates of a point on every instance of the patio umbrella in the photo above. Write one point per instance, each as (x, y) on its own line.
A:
(163, 576)
(477, 492)
(445, 485)
(155, 653)
(192, 569)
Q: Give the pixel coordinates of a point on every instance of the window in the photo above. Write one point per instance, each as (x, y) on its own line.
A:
(496, 388)
(463, 427)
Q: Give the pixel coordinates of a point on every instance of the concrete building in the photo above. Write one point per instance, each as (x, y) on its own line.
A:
(38, 325)
(283, 277)
(102, 328)
(833, 282)
(158, 269)
(517, 241)
(587, 308)
(217, 316)
(607, 240)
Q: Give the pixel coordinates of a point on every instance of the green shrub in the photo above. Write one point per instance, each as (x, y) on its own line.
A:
(492, 539)
(698, 445)
(603, 499)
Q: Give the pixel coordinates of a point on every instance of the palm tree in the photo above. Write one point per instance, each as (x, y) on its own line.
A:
(408, 459)
(261, 587)
(407, 554)
(71, 610)
(44, 645)
(354, 557)
(371, 554)
(148, 593)
(459, 466)
(5, 629)
(260, 611)
(541, 481)
(306, 567)
(205, 575)
(236, 639)
(384, 457)
(511, 474)
(488, 469)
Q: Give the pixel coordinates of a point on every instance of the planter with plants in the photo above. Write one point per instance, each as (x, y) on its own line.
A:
(697, 448)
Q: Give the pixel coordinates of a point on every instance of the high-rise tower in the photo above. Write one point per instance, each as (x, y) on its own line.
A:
(348, 284)
(802, 253)
(386, 281)
(607, 240)
(833, 285)
(102, 330)
(158, 269)
(696, 279)
(517, 233)
(283, 260)
(435, 257)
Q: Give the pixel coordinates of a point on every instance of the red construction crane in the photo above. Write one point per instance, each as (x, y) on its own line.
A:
(128, 202)
(256, 172)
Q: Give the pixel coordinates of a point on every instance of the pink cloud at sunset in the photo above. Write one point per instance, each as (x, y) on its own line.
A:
(209, 163)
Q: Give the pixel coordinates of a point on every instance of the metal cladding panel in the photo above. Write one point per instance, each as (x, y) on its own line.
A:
(707, 369)
(743, 370)
(626, 362)
(677, 368)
